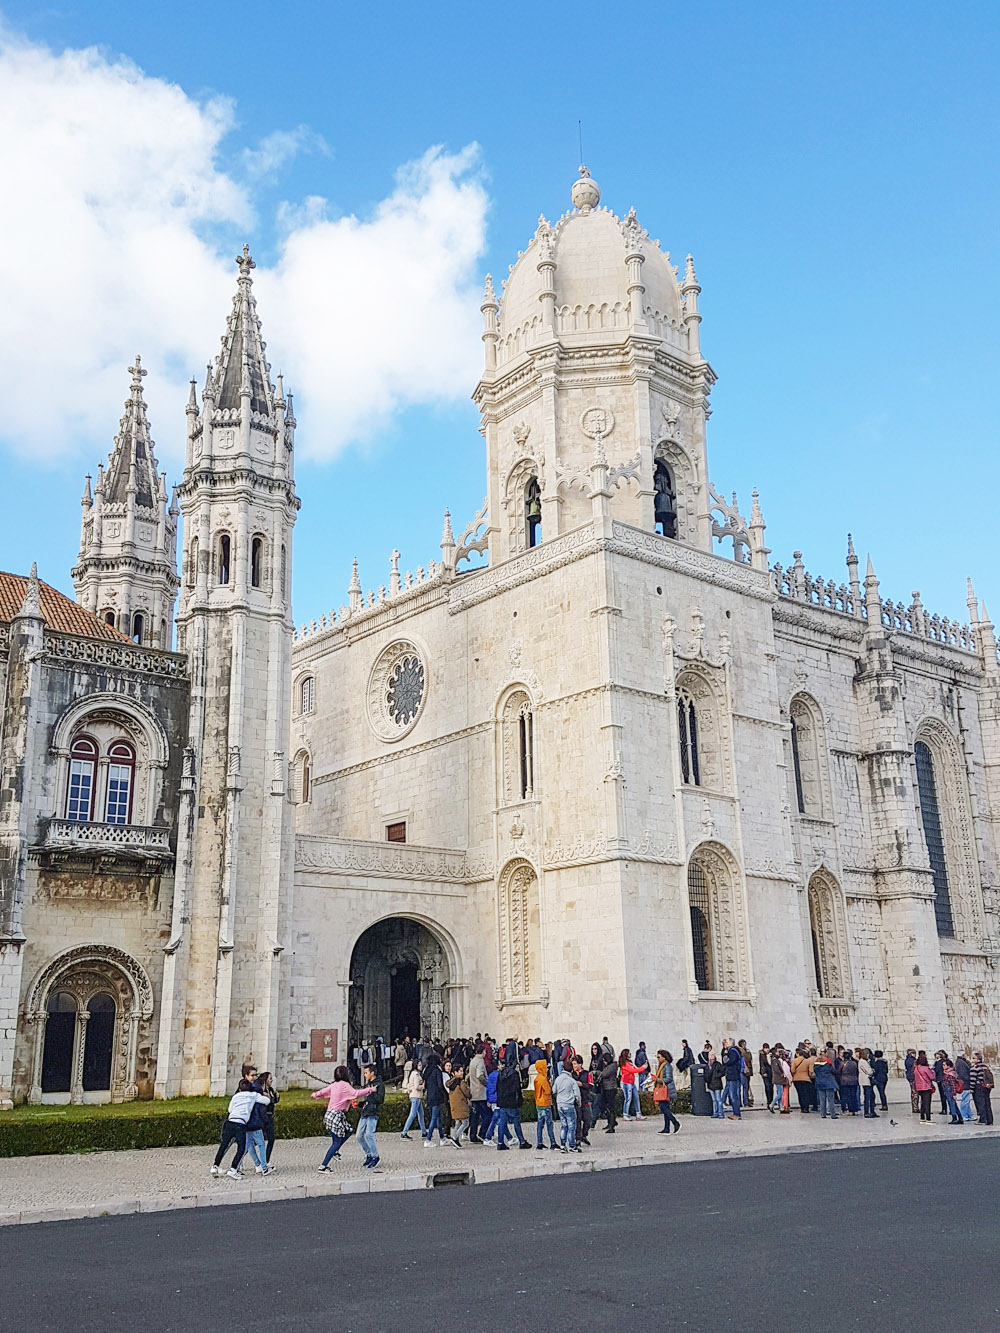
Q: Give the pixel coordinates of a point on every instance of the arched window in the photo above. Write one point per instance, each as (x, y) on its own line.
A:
(718, 934)
(192, 570)
(532, 512)
(109, 618)
(930, 815)
(520, 936)
(664, 500)
(307, 694)
(517, 760)
(82, 775)
(99, 1043)
(808, 755)
(305, 779)
(828, 937)
(257, 562)
(687, 730)
(60, 1036)
(121, 777)
(225, 556)
(138, 626)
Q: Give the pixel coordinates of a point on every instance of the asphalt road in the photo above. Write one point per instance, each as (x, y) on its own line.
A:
(878, 1238)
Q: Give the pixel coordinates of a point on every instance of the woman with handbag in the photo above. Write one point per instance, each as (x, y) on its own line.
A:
(664, 1090)
(340, 1094)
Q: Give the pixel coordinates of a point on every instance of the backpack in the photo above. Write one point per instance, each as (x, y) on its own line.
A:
(987, 1082)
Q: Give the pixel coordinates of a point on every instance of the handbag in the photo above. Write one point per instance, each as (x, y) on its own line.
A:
(661, 1093)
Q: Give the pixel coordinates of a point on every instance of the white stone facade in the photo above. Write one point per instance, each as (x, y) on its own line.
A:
(589, 773)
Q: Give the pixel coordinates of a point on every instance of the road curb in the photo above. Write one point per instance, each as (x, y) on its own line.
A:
(479, 1173)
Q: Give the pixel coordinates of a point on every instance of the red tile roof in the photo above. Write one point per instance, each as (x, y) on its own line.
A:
(61, 615)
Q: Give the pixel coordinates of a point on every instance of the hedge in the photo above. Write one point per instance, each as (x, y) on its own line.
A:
(157, 1125)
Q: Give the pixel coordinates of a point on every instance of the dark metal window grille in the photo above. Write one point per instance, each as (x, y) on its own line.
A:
(799, 795)
(699, 899)
(934, 837)
(687, 727)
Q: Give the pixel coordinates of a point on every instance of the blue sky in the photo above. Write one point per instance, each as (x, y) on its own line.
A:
(832, 168)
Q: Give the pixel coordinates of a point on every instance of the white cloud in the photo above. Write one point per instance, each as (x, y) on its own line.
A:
(375, 315)
(114, 197)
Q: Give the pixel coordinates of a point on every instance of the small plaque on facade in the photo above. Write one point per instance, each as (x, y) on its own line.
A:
(323, 1045)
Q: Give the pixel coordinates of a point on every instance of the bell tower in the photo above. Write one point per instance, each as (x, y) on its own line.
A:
(234, 855)
(127, 569)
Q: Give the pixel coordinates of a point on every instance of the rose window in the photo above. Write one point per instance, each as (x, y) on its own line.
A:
(406, 690)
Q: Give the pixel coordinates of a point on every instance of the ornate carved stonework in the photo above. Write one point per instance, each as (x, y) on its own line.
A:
(397, 690)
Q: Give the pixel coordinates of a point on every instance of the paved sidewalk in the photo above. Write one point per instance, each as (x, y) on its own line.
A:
(48, 1189)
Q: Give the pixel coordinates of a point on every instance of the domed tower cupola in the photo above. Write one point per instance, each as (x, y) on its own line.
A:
(594, 335)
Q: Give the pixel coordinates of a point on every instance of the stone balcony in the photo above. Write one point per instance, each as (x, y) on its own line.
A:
(103, 842)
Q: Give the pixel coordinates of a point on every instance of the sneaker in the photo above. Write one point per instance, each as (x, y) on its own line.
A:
(540, 1147)
(428, 1144)
(576, 1149)
(562, 1147)
(405, 1136)
(502, 1147)
(258, 1170)
(524, 1144)
(322, 1168)
(216, 1171)
(233, 1174)
(267, 1170)
(374, 1163)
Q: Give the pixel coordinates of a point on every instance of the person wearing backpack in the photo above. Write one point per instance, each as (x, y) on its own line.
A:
(509, 1102)
(981, 1078)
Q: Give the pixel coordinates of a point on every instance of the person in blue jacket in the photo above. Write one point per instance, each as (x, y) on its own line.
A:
(825, 1083)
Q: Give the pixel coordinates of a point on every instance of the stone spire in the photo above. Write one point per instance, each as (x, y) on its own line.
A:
(241, 370)
(31, 606)
(447, 543)
(126, 572)
(491, 334)
(692, 319)
(354, 599)
(971, 602)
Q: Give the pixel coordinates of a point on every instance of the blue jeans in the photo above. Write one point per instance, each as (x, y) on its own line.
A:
(416, 1113)
(967, 1104)
(630, 1093)
(435, 1122)
(544, 1121)
(827, 1106)
(732, 1096)
(949, 1097)
(717, 1112)
(494, 1123)
(480, 1121)
(336, 1144)
(567, 1126)
(367, 1126)
(256, 1146)
(778, 1098)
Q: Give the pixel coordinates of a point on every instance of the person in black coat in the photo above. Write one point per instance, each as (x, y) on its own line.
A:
(880, 1076)
(509, 1103)
(435, 1096)
(266, 1085)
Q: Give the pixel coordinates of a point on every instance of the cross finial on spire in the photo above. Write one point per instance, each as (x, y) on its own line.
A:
(137, 372)
(245, 262)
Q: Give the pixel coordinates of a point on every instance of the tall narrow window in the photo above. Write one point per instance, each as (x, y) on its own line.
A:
(82, 770)
(305, 780)
(192, 573)
(827, 930)
(533, 512)
(138, 626)
(225, 554)
(307, 694)
(256, 562)
(930, 815)
(525, 726)
(797, 766)
(121, 771)
(109, 618)
(687, 727)
(699, 902)
(664, 501)
(284, 573)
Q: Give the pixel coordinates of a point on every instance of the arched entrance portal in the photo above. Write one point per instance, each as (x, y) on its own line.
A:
(89, 1007)
(399, 983)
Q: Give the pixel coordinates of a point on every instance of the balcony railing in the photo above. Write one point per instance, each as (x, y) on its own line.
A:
(130, 840)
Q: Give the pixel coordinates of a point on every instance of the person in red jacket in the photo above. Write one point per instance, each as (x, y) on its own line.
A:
(923, 1084)
(630, 1088)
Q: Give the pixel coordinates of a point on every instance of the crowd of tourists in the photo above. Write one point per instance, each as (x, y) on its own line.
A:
(471, 1091)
